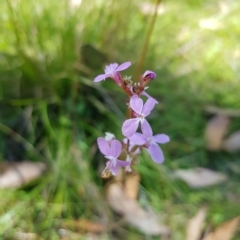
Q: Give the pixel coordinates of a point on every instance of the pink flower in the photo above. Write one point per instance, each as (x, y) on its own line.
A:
(112, 72)
(151, 143)
(130, 126)
(111, 150)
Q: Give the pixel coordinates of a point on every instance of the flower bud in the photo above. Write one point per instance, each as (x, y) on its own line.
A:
(148, 76)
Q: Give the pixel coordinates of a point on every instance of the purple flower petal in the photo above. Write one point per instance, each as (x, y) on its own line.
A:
(138, 139)
(110, 166)
(161, 138)
(104, 146)
(148, 106)
(123, 66)
(123, 163)
(111, 68)
(116, 148)
(156, 153)
(130, 126)
(146, 129)
(100, 78)
(136, 103)
(125, 140)
(116, 77)
(114, 66)
(149, 74)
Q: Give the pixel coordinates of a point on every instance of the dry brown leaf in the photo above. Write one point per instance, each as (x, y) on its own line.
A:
(131, 185)
(26, 236)
(16, 174)
(84, 225)
(215, 131)
(195, 225)
(200, 177)
(232, 143)
(66, 234)
(225, 231)
(146, 222)
(90, 236)
(222, 111)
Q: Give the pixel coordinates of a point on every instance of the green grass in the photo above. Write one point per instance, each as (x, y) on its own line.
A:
(48, 59)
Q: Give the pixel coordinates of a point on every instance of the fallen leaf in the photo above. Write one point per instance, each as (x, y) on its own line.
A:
(200, 177)
(90, 236)
(131, 185)
(215, 131)
(146, 222)
(16, 174)
(84, 225)
(225, 231)
(26, 236)
(207, 231)
(232, 143)
(222, 111)
(195, 224)
(66, 234)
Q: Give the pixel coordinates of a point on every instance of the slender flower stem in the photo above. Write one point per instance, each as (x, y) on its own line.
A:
(15, 24)
(146, 43)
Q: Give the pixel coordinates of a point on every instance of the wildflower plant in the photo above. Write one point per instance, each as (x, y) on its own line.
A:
(124, 153)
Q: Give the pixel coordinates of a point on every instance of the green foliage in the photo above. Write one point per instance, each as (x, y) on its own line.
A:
(49, 53)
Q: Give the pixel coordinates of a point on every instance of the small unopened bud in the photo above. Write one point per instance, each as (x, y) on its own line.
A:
(148, 76)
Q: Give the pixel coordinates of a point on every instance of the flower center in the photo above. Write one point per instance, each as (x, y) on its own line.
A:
(141, 118)
(150, 141)
(112, 159)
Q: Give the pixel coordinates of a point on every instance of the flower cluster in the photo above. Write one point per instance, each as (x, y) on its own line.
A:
(124, 153)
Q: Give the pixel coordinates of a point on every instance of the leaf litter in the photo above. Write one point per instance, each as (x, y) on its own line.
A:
(133, 213)
(200, 177)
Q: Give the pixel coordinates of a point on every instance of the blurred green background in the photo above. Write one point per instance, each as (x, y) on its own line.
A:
(50, 110)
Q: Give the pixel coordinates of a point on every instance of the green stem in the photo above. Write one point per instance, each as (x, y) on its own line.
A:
(143, 54)
(14, 25)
